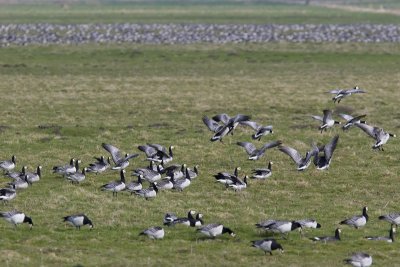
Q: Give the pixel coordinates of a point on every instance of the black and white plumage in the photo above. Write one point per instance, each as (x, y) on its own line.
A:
(157, 153)
(190, 220)
(76, 177)
(260, 130)
(8, 165)
(78, 220)
(16, 217)
(212, 125)
(20, 183)
(115, 186)
(309, 223)
(227, 178)
(357, 221)
(282, 227)
(214, 229)
(7, 194)
(323, 161)
(100, 166)
(239, 184)
(342, 93)
(177, 171)
(17, 175)
(326, 239)
(267, 245)
(262, 173)
(350, 120)
(381, 137)
(181, 184)
(389, 239)
(169, 218)
(148, 174)
(64, 170)
(164, 184)
(359, 259)
(148, 193)
(302, 163)
(193, 173)
(119, 161)
(230, 125)
(33, 177)
(393, 218)
(155, 232)
(253, 152)
(265, 223)
(326, 121)
(134, 186)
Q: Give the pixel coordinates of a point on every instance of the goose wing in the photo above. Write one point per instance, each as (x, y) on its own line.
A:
(318, 118)
(255, 126)
(293, 153)
(249, 147)
(148, 150)
(368, 129)
(270, 145)
(212, 125)
(115, 153)
(329, 148)
(224, 118)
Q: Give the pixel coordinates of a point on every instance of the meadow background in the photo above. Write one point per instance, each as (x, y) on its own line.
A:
(59, 102)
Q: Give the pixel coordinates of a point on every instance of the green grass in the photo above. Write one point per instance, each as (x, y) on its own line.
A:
(130, 95)
(184, 12)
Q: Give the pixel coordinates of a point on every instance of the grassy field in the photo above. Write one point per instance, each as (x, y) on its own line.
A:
(63, 102)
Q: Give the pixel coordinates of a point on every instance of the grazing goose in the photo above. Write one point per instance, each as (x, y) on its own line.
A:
(229, 126)
(381, 137)
(327, 121)
(227, 178)
(359, 259)
(181, 184)
(20, 183)
(389, 239)
(169, 218)
(77, 177)
(262, 173)
(100, 166)
(323, 162)
(308, 223)
(7, 194)
(115, 186)
(214, 229)
(135, 186)
(350, 120)
(282, 227)
(254, 153)
(239, 184)
(33, 177)
(119, 161)
(17, 175)
(155, 232)
(326, 239)
(78, 220)
(8, 165)
(260, 130)
(212, 125)
(393, 218)
(63, 170)
(164, 184)
(302, 163)
(148, 193)
(16, 217)
(358, 220)
(342, 93)
(267, 245)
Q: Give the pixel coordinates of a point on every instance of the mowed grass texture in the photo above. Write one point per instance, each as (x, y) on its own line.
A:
(63, 102)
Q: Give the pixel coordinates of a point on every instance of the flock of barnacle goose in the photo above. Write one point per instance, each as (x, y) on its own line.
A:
(179, 177)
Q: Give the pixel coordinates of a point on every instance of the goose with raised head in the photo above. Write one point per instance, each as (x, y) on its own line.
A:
(115, 186)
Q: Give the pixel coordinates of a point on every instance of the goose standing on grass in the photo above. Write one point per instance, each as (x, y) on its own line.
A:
(323, 162)
(100, 166)
(115, 186)
(7, 194)
(227, 178)
(389, 239)
(77, 177)
(350, 120)
(135, 186)
(229, 126)
(381, 137)
(263, 173)
(119, 161)
(78, 220)
(155, 232)
(342, 93)
(327, 121)
(393, 218)
(267, 245)
(326, 239)
(20, 183)
(214, 229)
(283, 227)
(8, 165)
(16, 217)
(148, 193)
(181, 184)
(302, 163)
(260, 130)
(33, 177)
(63, 170)
(164, 184)
(357, 221)
(17, 175)
(253, 152)
(359, 259)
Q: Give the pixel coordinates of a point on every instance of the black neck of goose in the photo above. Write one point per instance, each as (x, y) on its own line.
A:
(187, 174)
(23, 170)
(155, 187)
(71, 162)
(39, 171)
(13, 159)
(139, 179)
(337, 234)
(270, 165)
(108, 160)
(87, 221)
(122, 174)
(190, 216)
(236, 173)
(170, 152)
(172, 177)
(196, 170)
(226, 230)
(151, 165)
(391, 135)
(77, 165)
(365, 214)
(28, 220)
(245, 180)
(295, 225)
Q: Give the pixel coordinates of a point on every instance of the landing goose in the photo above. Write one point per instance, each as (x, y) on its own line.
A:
(214, 229)
(16, 217)
(148, 193)
(263, 173)
(357, 221)
(8, 165)
(33, 177)
(302, 163)
(100, 166)
(63, 170)
(229, 126)
(393, 218)
(77, 177)
(326, 239)
(327, 121)
(115, 186)
(227, 178)
(162, 154)
(253, 152)
(381, 137)
(260, 130)
(7, 194)
(359, 259)
(135, 186)
(389, 239)
(155, 232)
(342, 93)
(119, 161)
(212, 125)
(267, 245)
(78, 220)
(322, 162)
(350, 120)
